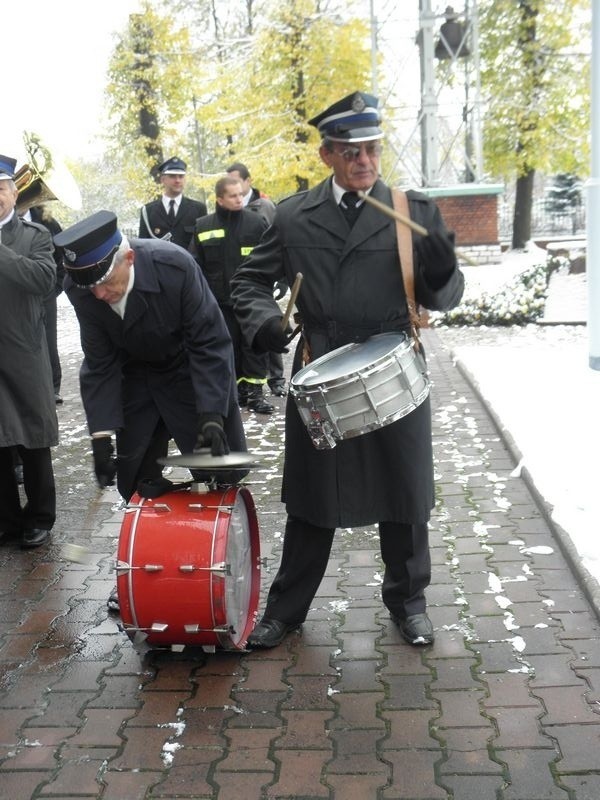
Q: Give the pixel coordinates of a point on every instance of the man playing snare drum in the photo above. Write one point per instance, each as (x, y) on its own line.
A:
(352, 289)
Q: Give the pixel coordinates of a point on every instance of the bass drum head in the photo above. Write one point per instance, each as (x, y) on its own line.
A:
(349, 359)
(242, 585)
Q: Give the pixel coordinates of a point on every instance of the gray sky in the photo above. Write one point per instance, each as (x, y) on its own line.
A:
(56, 71)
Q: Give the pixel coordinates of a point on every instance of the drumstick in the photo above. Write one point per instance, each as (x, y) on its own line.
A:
(292, 301)
(391, 212)
(80, 553)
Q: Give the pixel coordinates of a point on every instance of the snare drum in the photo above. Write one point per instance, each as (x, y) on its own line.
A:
(188, 569)
(359, 388)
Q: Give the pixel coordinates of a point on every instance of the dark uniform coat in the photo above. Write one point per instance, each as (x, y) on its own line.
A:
(352, 289)
(27, 276)
(221, 242)
(170, 357)
(182, 229)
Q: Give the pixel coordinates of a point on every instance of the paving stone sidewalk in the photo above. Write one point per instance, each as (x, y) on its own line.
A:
(504, 706)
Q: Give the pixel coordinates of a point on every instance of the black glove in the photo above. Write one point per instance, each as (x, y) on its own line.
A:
(437, 257)
(211, 434)
(271, 338)
(280, 290)
(105, 463)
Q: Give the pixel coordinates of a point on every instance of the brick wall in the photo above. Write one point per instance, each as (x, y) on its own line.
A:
(473, 217)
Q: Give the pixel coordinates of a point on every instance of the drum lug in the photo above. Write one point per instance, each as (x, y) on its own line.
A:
(223, 568)
(195, 628)
(202, 506)
(162, 507)
(155, 507)
(123, 566)
(156, 627)
(321, 434)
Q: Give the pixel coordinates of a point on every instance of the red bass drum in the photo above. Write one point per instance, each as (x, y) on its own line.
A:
(188, 569)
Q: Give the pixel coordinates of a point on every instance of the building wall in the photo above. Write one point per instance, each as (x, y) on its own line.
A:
(472, 217)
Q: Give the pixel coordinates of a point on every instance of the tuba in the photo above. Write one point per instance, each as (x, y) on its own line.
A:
(43, 178)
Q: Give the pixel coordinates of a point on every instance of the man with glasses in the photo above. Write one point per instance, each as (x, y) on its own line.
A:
(347, 251)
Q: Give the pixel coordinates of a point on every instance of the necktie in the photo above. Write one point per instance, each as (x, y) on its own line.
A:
(349, 208)
(171, 210)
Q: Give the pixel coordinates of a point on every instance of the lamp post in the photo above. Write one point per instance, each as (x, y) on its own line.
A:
(457, 40)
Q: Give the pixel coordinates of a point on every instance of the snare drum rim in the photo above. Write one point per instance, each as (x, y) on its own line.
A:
(298, 389)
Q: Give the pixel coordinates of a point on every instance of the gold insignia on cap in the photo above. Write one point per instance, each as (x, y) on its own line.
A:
(69, 255)
(358, 104)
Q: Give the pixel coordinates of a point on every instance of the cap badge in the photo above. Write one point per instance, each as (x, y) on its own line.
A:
(69, 255)
(358, 104)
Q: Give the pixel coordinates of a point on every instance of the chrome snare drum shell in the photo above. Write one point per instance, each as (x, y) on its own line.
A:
(359, 388)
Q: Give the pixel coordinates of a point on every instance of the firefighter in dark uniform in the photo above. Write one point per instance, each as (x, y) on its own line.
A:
(220, 243)
(347, 251)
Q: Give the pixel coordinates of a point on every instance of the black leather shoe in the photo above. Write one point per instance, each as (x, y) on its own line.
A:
(269, 633)
(35, 537)
(112, 603)
(259, 405)
(415, 629)
(58, 399)
(277, 387)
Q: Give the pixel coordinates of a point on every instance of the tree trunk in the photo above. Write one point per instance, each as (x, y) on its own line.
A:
(141, 35)
(529, 122)
(522, 216)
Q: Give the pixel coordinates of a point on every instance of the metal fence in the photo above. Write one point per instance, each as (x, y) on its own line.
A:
(544, 222)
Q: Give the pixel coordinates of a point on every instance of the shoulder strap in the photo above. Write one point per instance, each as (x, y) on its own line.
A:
(405, 251)
(147, 223)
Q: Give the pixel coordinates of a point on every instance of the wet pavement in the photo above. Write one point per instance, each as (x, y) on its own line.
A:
(504, 706)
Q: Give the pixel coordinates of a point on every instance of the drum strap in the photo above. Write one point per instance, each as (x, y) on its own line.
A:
(405, 251)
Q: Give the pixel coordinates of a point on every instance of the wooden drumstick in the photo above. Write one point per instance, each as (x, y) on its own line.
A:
(292, 300)
(391, 212)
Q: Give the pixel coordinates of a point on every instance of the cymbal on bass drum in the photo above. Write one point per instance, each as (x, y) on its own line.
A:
(204, 460)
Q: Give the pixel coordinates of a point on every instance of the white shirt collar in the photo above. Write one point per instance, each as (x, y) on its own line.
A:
(338, 193)
(119, 307)
(166, 200)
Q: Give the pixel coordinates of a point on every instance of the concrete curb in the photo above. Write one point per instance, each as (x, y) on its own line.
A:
(589, 584)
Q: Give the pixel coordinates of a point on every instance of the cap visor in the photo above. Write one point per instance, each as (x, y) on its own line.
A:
(356, 135)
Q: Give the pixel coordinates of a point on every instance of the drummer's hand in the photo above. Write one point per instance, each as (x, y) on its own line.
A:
(271, 338)
(437, 256)
(105, 463)
(211, 434)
